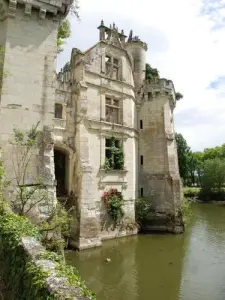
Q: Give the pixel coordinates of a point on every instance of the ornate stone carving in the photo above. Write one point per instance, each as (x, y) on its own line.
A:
(12, 8)
(28, 9)
(42, 14)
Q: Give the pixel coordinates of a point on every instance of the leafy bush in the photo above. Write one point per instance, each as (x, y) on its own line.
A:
(191, 192)
(213, 174)
(212, 195)
(143, 210)
(113, 200)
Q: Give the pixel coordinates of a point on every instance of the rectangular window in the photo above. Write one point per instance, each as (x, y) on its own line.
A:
(149, 96)
(112, 67)
(142, 160)
(58, 111)
(114, 154)
(112, 110)
(108, 65)
(141, 124)
(142, 192)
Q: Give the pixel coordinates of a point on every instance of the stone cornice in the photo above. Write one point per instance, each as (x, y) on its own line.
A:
(107, 78)
(105, 88)
(109, 128)
(58, 8)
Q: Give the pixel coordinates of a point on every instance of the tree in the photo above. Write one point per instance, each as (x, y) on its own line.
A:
(198, 166)
(64, 32)
(151, 73)
(184, 154)
(27, 196)
(213, 174)
(178, 96)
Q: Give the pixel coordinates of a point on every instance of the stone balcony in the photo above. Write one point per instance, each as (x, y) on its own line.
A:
(59, 123)
(59, 130)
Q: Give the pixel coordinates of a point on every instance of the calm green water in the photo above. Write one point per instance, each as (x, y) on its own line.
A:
(184, 267)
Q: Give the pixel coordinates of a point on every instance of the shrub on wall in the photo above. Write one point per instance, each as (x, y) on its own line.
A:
(113, 200)
(143, 208)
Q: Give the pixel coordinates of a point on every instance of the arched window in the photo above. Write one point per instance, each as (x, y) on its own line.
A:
(58, 111)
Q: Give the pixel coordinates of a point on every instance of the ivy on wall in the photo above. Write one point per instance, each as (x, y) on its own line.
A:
(114, 155)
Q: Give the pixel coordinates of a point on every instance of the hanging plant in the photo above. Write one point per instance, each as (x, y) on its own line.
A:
(113, 200)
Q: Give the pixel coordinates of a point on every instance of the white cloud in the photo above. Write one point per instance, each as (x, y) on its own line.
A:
(182, 45)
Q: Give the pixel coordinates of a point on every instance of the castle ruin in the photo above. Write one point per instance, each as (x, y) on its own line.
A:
(100, 94)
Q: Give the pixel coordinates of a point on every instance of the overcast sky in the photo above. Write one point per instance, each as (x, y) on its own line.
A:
(186, 41)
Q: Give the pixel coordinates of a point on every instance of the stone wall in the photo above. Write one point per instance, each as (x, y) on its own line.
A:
(28, 35)
(31, 272)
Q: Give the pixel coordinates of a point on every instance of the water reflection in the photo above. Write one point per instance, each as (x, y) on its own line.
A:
(166, 267)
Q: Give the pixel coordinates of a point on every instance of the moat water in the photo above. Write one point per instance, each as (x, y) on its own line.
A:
(161, 267)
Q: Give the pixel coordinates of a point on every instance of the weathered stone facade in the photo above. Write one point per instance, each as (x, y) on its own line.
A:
(28, 33)
(102, 93)
(112, 74)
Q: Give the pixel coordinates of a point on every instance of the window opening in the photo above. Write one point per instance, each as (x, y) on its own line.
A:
(58, 111)
(112, 107)
(114, 155)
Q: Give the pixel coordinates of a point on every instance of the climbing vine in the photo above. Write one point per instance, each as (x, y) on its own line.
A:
(114, 155)
(114, 202)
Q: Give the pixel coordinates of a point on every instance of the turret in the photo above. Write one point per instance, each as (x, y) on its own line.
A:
(137, 49)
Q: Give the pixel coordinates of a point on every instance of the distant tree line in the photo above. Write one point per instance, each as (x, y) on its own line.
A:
(204, 169)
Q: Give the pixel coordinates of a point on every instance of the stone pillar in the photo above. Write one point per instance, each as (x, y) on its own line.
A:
(28, 36)
(159, 177)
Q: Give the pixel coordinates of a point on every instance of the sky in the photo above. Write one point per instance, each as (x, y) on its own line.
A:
(186, 43)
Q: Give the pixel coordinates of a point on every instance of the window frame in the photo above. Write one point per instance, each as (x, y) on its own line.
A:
(111, 108)
(118, 144)
(56, 111)
(112, 63)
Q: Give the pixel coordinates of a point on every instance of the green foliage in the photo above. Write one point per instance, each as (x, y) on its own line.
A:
(25, 279)
(26, 196)
(113, 200)
(64, 32)
(151, 73)
(68, 272)
(178, 96)
(57, 226)
(143, 208)
(115, 161)
(213, 174)
(186, 209)
(184, 156)
(191, 192)
(3, 73)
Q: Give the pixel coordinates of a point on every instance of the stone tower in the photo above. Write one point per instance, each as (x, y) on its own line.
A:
(28, 35)
(158, 175)
(137, 49)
